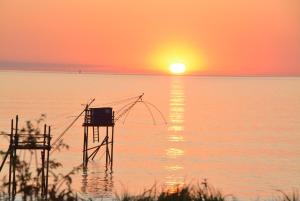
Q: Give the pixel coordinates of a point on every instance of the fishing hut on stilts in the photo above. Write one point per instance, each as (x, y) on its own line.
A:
(97, 118)
(103, 117)
(27, 141)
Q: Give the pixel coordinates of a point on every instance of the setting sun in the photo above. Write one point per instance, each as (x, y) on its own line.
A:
(177, 57)
(177, 68)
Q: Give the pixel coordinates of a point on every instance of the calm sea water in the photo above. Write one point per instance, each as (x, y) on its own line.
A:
(242, 134)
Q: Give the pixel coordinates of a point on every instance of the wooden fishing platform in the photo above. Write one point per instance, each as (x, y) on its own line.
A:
(97, 118)
(19, 140)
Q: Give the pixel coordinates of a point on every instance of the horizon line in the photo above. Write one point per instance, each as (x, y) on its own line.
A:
(144, 74)
(10, 65)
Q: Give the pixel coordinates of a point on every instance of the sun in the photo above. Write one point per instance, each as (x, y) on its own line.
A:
(177, 68)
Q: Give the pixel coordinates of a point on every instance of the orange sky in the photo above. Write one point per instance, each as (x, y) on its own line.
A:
(225, 37)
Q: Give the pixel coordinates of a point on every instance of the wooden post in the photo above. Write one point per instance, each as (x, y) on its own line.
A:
(43, 163)
(84, 154)
(43, 173)
(16, 139)
(112, 147)
(107, 150)
(85, 147)
(10, 158)
(47, 164)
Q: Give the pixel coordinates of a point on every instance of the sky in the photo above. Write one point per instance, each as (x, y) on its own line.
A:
(216, 37)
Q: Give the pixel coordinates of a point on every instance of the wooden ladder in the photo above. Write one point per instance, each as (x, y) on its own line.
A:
(95, 134)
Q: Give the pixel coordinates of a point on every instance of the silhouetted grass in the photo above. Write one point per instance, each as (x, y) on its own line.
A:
(201, 192)
(283, 196)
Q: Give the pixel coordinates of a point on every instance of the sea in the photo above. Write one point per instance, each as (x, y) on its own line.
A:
(241, 135)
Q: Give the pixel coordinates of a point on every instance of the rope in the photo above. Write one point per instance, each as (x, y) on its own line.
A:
(130, 107)
(161, 114)
(68, 127)
(119, 101)
(125, 110)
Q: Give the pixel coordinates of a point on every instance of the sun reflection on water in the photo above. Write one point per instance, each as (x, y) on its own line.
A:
(176, 106)
(174, 151)
(174, 167)
(176, 138)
